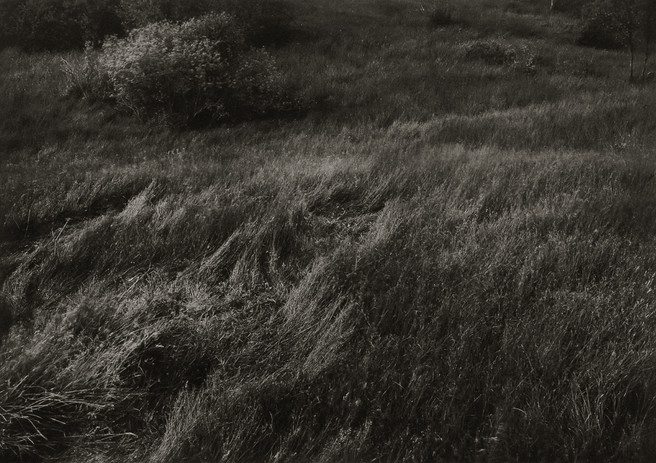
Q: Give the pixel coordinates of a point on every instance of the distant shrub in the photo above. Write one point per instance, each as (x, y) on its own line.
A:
(442, 16)
(265, 22)
(600, 26)
(622, 23)
(195, 71)
(391, 8)
(518, 7)
(526, 61)
(8, 29)
(57, 24)
(572, 7)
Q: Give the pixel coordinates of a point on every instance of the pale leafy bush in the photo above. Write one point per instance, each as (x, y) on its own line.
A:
(195, 71)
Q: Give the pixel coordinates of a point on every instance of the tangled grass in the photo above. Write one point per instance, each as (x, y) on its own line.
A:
(447, 260)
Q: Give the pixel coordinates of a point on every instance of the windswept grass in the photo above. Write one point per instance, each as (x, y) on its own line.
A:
(446, 258)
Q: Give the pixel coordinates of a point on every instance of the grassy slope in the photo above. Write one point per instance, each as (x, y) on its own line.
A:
(442, 258)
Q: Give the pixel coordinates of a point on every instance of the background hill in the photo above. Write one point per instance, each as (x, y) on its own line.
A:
(446, 252)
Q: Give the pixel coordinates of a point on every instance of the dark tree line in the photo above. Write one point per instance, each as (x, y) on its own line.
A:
(629, 24)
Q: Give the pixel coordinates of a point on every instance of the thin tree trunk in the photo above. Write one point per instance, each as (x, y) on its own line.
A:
(644, 63)
(631, 75)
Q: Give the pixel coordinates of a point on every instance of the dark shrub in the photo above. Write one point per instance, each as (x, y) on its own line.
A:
(266, 22)
(139, 13)
(8, 29)
(442, 16)
(600, 26)
(572, 7)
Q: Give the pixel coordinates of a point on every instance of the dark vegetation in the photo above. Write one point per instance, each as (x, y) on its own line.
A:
(198, 71)
(621, 23)
(65, 24)
(447, 255)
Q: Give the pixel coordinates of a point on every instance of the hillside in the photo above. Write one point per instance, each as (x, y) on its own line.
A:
(444, 256)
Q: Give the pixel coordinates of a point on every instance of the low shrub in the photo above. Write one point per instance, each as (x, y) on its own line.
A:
(265, 22)
(8, 30)
(193, 72)
(572, 7)
(392, 9)
(600, 27)
(519, 7)
(526, 61)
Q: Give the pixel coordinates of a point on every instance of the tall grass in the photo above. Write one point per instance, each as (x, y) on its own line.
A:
(446, 258)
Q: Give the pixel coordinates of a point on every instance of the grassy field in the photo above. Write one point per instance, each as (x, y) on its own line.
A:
(443, 258)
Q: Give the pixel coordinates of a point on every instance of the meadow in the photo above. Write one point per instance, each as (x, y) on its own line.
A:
(445, 256)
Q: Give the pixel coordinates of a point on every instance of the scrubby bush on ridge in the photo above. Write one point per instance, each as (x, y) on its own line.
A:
(197, 71)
